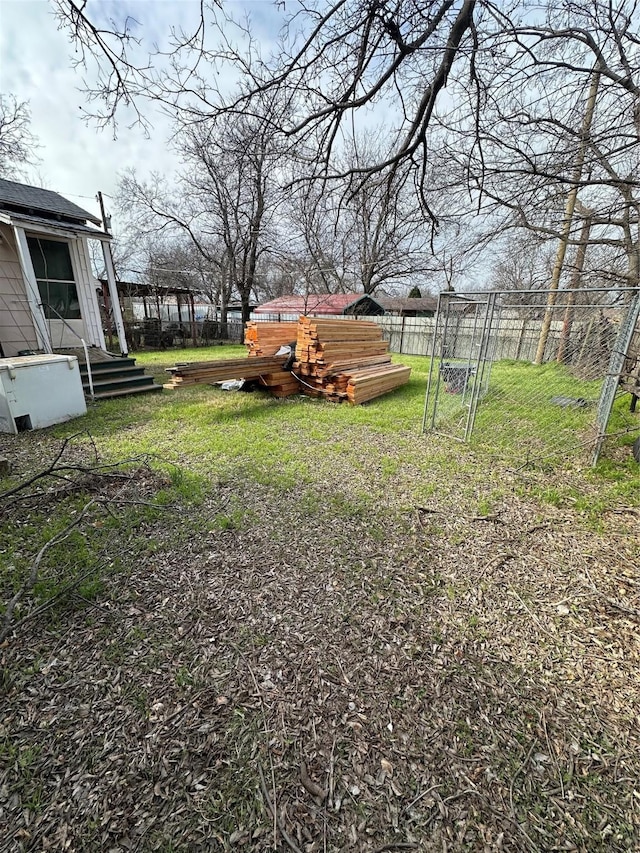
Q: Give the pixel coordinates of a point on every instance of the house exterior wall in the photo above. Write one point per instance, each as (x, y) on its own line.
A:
(17, 328)
(17, 331)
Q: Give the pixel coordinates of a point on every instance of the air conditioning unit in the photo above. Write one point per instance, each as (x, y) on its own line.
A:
(39, 390)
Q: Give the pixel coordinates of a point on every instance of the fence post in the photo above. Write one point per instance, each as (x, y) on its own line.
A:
(402, 333)
(612, 379)
(192, 318)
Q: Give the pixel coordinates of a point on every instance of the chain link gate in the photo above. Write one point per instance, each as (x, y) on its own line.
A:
(459, 372)
(529, 374)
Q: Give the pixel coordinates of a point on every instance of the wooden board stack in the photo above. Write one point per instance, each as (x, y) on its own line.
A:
(265, 338)
(191, 373)
(281, 383)
(345, 360)
(365, 385)
(340, 360)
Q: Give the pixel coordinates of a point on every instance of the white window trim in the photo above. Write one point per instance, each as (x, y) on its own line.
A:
(33, 294)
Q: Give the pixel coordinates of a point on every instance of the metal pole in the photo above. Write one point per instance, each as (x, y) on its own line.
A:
(111, 280)
(471, 347)
(115, 302)
(482, 358)
(192, 318)
(433, 356)
(89, 371)
(612, 379)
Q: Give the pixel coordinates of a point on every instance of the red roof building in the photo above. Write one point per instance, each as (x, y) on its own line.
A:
(322, 304)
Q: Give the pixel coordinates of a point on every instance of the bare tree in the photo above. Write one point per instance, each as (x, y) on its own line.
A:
(384, 225)
(558, 130)
(521, 262)
(18, 145)
(222, 202)
(340, 57)
(172, 240)
(235, 184)
(315, 248)
(348, 236)
(498, 90)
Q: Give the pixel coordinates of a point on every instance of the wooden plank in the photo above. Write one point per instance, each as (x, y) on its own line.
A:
(264, 338)
(346, 365)
(223, 370)
(364, 388)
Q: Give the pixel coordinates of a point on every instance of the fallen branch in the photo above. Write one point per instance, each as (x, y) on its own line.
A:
(612, 602)
(94, 479)
(57, 471)
(312, 787)
(122, 502)
(101, 472)
(616, 605)
(30, 582)
(420, 796)
(267, 799)
(625, 510)
(40, 474)
(42, 608)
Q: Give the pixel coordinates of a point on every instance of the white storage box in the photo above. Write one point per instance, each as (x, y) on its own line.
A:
(39, 390)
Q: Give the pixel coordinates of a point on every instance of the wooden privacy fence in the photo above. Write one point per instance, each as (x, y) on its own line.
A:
(515, 337)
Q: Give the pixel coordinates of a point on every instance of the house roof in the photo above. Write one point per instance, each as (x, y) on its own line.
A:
(34, 200)
(140, 289)
(322, 303)
(46, 224)
(423, 303)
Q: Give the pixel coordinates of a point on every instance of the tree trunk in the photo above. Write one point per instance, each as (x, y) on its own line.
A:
(575, 283)
(568, 217)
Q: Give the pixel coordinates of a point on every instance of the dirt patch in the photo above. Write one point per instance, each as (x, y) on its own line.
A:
(316, 672)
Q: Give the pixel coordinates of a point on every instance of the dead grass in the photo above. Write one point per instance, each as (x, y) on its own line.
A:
(398, 653)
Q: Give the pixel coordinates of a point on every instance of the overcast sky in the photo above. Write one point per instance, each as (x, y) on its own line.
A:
(36, 66)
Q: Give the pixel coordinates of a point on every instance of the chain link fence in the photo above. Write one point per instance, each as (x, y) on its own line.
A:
(533, 375)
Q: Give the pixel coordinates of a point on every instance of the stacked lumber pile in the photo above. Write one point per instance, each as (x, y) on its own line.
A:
(281, 383)
(366, 384)
(340, 360)
(191, 373)
(345, 360)
(267, 338)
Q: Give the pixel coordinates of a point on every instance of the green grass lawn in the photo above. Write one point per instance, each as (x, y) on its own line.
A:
(288, 443)
(517, 420)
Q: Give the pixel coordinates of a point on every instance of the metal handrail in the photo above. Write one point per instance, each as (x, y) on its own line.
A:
(84, 347)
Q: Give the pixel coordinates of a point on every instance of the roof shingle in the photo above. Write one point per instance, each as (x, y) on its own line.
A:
(38, 200)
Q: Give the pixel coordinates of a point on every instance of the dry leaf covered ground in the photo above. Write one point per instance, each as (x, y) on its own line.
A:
(355, 640)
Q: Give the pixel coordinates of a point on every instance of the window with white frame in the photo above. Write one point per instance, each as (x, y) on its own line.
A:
(51, 261)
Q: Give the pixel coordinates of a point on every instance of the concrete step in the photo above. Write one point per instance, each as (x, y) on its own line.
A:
(117, 377)
(110, 366)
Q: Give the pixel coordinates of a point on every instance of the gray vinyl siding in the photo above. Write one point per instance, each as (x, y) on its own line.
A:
(17, 331)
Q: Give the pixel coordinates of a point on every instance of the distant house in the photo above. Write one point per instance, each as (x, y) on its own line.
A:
(424, 306)
(317, 305)
(48, 294)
